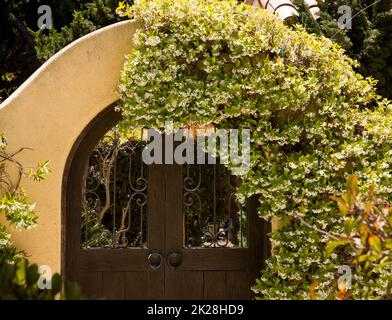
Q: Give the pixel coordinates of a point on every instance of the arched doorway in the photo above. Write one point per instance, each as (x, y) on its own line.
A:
(132, 231)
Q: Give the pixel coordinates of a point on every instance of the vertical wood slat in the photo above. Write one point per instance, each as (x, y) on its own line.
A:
(91, 284)
(193, 285)
(255, 251)
(173, 229)
(237, 285)
(136, 285)
(214, 285)
(156, 229)
(173, 284)
(113, 285)
(155, 207)
(156, 281)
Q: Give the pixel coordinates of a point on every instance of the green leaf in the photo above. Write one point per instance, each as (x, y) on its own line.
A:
(363, 258)
(332, 245)
(348, 225)
(72, 292)
(343, 208)
(32, 275)
(57, 282)
(352, 185)
(375, 243)
(21, 272)
(388, 243)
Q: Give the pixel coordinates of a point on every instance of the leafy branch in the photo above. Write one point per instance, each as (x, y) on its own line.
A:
(366, 242)
(15, 204)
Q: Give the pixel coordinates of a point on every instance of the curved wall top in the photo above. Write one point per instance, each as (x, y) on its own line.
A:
(49, 112)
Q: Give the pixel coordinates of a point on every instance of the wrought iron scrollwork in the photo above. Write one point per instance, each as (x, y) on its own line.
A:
(213, 216)
(192, 199)
(115, 201)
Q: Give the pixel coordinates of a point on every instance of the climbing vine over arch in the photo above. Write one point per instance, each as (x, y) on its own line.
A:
(313, 121)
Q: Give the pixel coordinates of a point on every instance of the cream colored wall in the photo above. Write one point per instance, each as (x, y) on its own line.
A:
(49, 111)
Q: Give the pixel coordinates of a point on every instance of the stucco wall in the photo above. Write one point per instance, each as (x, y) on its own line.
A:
(49, 111)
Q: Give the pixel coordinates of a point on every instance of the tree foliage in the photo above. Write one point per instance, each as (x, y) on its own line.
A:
(369, 40)
(23, 47)
(87, 18)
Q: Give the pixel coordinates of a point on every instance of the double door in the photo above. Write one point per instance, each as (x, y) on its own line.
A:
(169, 232)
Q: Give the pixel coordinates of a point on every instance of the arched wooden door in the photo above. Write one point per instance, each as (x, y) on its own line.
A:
(132, 231)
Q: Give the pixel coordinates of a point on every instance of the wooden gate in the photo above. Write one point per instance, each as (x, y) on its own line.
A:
(167, 232)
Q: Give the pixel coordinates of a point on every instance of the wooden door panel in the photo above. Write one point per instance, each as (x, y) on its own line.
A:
(214, 259)
(156, 284)
(173, 284)
(214, 285)
(211, 285)
(113, 259)
(192, 285)
(113, 285)
(91, 284)
(156, 208)
(173, 229)
(237, 285)
(204, 273)
(136, 285)
(124, 273)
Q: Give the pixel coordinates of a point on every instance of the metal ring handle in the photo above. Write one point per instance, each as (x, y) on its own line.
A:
(174, 258)
(155, 260)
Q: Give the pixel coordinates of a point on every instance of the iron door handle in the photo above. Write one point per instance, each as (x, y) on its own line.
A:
(155, 260)
(174, 258)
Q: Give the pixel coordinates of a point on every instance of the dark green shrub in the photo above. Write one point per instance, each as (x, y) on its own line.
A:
(19, 281)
